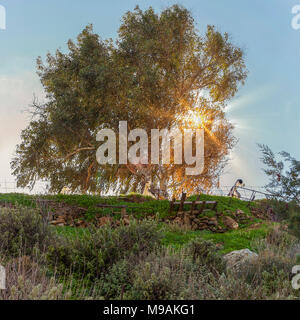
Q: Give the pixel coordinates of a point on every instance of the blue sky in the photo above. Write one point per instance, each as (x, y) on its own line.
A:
(266, 110)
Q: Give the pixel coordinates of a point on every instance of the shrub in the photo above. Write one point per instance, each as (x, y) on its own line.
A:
(162, 275)
(280, 208)
(176, 274)
(294, 223)
(97, 250)
(22, 230)
(205, 253)
(271, 271)
(26, 280)
(117, 280)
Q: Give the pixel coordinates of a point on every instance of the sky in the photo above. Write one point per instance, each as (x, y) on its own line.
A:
(265, 110)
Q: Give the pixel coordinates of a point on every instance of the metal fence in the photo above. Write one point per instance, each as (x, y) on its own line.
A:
(247, 193)
(10, 186)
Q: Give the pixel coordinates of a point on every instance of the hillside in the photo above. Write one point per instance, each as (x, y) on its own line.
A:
(72, 214)
(82, 251)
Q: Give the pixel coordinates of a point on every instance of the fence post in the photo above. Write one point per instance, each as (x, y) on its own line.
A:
(182, 202)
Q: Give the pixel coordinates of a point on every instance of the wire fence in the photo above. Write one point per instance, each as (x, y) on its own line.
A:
(247, 193)
(10, 186)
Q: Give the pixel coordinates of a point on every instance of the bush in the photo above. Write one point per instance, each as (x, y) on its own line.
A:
(294, 223)
(97, 250)
(189, 273)
(26, 280)
(162, 275)
(280, 208)
(271, 271)
(117, 280)
(22, 230)
(205, 253)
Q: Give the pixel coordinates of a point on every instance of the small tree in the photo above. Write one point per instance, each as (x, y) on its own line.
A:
(284, 174)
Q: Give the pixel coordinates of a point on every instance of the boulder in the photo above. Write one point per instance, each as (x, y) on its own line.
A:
(238, 258)
(230, 223)
(187, 220)
(126, 220)
(202, 226)
(213, 222)
(104, 220)
(58, 222)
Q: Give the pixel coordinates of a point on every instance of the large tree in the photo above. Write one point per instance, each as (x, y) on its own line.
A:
(156, 74)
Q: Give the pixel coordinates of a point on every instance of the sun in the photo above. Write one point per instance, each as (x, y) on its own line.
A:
(195, 119)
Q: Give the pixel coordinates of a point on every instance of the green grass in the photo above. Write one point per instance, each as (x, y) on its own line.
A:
(89, 202)
(18, 199)
(237, 239)
(231, 240)
(71, 232)
(226, 203)
(178, 239)
(151, 206)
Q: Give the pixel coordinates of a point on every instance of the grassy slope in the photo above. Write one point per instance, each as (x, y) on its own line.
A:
(150, 206)
(233, 240)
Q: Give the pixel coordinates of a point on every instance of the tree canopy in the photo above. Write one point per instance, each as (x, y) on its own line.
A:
(156, 73)
(283, 173)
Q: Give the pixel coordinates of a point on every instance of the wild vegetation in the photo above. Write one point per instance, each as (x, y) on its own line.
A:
(146, 259)
(77, 246)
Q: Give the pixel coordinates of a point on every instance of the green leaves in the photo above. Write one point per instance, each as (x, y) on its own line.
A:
(284, 174)
(159, 65)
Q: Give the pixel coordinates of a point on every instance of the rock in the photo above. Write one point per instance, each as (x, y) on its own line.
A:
(60, 225)
(219, 246)
(194, 226)
(239, 212)
(230, 223)
(58, 222)
(213, 222)
(126, 220)
(254, 226)
(187, 220)
(236, 259)
(104, 220)
(284, 227)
